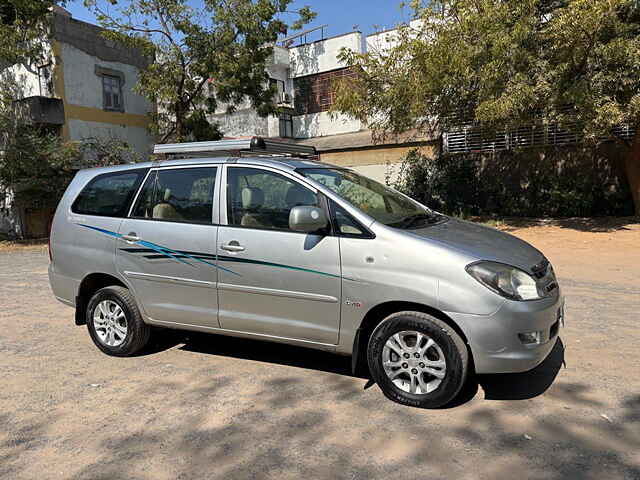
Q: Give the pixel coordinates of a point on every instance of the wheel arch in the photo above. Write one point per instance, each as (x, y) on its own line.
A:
(381, 311)
(88, 286)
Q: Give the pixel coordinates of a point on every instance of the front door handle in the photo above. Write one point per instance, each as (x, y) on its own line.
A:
(232, 246)
(131, 237)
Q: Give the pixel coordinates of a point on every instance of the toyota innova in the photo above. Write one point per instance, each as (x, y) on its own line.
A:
(304, 253)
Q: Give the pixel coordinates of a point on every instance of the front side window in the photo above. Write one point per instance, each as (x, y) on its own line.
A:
(112, 92)
(379, 202)
(262, 199)
(108, 195)
(179, 195)
(345, 224)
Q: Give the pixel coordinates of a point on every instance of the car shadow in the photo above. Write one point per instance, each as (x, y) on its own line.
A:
(269, 352)
(522, 386)
(508, 386)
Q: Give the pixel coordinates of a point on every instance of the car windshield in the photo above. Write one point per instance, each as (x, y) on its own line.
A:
(382, 203)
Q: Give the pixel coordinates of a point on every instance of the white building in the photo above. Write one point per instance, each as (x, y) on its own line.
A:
(304, 73)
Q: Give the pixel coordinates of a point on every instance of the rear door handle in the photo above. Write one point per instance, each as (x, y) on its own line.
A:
(131, 237)
(232, 247)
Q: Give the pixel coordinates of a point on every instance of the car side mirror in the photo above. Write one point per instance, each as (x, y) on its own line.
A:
(307, 219)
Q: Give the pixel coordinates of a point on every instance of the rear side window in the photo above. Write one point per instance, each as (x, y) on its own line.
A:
(179, 195)
(109, 194)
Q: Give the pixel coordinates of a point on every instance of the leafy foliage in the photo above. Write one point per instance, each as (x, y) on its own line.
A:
(558, 182)
(210, 53)
(36, 164)
(500, 63)
(22, 30)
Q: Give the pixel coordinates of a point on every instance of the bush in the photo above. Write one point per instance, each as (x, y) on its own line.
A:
(556, 182)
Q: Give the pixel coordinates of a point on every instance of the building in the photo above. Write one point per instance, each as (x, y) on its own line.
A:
(85, 86)
(83, 89)
(304, 72)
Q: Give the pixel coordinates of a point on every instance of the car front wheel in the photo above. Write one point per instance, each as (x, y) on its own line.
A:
(417, 359)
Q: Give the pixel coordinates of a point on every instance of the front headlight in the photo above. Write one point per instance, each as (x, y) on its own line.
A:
(505, 280)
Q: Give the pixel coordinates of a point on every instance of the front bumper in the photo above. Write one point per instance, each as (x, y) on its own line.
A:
(494, 341)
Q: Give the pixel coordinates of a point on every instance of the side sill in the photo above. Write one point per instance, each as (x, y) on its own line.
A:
(237, 333)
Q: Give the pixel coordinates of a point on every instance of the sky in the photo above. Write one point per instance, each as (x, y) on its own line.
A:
(340, 15)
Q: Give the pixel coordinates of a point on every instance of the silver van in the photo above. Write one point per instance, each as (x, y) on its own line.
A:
(296, 251)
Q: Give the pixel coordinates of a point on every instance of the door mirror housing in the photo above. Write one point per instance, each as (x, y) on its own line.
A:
(307, 219)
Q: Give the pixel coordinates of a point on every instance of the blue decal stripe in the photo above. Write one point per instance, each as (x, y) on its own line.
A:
(160, 249)
(199, 257)
(102, 230)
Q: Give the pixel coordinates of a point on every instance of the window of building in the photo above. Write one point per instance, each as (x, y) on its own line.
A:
(182, 195)
(112, 92)
(286, 125)
(262, 199)
(108, 195)
(45, 79)
(316, 93)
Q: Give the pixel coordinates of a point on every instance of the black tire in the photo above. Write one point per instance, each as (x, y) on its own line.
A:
(452, 346)
(138, 332)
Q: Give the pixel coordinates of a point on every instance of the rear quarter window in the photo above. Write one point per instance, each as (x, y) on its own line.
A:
(109, 194)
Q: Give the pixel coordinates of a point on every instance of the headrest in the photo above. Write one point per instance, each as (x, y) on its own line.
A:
(297, 195)
(252, 197)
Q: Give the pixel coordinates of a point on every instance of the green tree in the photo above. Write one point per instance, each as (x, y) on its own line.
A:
(214, 52)
(22, 30)
(502, 63)
(36, 164)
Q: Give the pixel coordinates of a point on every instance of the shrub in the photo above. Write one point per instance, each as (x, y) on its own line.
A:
(558, 182)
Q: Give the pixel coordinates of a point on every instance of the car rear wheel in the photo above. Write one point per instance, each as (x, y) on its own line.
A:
(115, 324)
(417, 359)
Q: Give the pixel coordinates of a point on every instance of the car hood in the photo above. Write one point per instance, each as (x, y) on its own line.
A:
(482, 243)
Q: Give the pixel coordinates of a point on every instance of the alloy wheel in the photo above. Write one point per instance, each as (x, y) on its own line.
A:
(414, 362)
(110, 323)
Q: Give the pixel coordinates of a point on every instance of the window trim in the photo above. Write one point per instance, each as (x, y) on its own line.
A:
(127, 208)
(103, 72)
(215, 219)
(367, 233)
(222, 205)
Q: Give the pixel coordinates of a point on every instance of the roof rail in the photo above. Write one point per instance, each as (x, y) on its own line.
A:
(237, 147)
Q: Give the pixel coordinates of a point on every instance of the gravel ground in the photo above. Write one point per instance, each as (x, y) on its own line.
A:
(204, 406)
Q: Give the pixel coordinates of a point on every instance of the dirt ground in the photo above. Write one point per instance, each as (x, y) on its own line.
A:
(199, 406)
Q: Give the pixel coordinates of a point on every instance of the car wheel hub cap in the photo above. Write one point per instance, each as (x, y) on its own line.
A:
(414, 362)
(110, 323)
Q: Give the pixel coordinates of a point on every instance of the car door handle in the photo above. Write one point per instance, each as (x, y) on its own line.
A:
(131, 237)
(232, 247)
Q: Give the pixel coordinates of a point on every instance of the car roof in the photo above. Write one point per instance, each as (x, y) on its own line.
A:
(282, 163)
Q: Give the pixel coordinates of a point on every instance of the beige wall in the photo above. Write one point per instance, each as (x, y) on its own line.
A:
(379, 163)
(372, 156)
